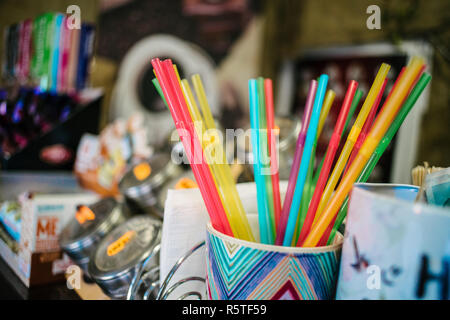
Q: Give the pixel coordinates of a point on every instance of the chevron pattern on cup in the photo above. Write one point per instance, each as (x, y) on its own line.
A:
(237, 272)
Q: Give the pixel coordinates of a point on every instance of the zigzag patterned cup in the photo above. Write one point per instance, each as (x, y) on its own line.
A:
(242, 270)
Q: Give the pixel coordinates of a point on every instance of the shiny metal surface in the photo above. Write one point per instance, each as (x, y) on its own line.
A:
(79, 240)
(114, 272)
(165, 290)
(144, 192)
(171, 184)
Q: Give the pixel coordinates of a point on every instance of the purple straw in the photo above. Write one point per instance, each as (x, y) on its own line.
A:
(296, 163)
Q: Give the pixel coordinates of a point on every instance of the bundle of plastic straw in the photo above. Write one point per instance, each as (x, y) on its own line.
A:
(376, 133)
(296, 162)
(313, 208)
(309, 210)
(328, 237)
(264, 157)
(331, 151)
(214, 180)
(305, 162)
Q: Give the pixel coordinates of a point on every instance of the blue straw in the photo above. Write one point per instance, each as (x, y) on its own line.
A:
(263, 210)
(306, 156)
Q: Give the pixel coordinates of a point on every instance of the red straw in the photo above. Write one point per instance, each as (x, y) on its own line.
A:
(178, 109)
(366, 127)
(330, 154)
(208, 178)
(268, 89)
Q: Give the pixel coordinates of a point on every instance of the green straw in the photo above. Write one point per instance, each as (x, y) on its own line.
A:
(382, 146)
(158, 88)
(358, 94)
(265, 153)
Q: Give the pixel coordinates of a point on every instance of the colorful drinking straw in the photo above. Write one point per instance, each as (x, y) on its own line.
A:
(158, 88)
(296, 162)
(381, 148)
(376, 133)
(264, 154)
(219, 174)
(309, 188)
(330, 154)
(358, 95)
(366, 127)
(352, 137)
(263, 210)
(228, 186)
(301, 177)
(203, 177)
(268, 89)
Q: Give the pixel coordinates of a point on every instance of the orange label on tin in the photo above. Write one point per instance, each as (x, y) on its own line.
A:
(185, 183)
(118, 245)
(276, 130)
(142, 171)
(83, 214)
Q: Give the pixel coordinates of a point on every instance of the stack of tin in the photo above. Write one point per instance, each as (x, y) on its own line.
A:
(142, 183)
(89, 225)
(122, 253)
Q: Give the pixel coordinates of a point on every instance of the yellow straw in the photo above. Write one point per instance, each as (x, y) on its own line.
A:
(327, 103)
(176, 72)
(352, 137)
(379, 128)
(221, 171)
(200, 92)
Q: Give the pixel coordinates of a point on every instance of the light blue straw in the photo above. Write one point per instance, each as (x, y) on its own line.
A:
(263, 210)
(306, 156)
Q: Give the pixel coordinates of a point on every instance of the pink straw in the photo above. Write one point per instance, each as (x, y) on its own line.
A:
(296, 163)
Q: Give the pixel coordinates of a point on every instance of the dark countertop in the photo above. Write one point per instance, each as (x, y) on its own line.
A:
(12, 288)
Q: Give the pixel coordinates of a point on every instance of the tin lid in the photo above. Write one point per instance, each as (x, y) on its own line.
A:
(184, 181)
(90, 223)
(124, 247)
(147, 176)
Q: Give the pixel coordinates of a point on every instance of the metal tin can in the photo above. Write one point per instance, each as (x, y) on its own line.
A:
(142, 182)
(90, 224)
(183, 181)
(120, 254)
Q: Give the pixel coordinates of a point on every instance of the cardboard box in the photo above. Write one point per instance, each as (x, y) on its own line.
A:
(44, 214)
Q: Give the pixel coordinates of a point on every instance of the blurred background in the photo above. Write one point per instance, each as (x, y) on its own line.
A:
(78, 107)
(232, 40)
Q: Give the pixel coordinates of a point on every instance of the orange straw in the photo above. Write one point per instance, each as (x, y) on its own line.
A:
(366, 127)
(352, 137)
(382, 123)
